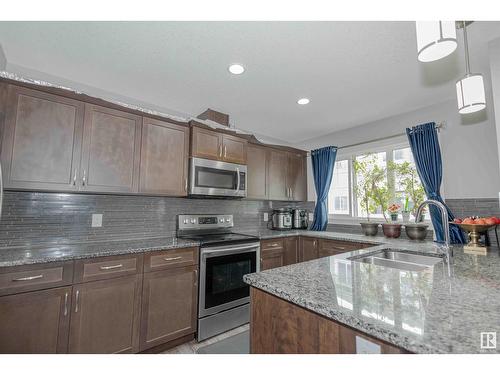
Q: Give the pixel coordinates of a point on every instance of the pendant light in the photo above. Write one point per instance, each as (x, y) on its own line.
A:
(470, 89)
(435, 39)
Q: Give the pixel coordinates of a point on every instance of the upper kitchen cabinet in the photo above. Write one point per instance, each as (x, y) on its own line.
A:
(164, 156)
(277, 175)
(209, 144)
(257, 164)
(41, 143)
(111, 150)
(297, 177)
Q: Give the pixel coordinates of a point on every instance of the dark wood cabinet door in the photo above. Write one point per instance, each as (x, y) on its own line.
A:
(169, 305)
(35, 322)
(297, 177)
(257, 162)
(291, 251)
(272, 259)
(164, 158)
(111, 150)
(105, 316)
(234, 149)
(308, 249)
(206, 143)
(41, 141)
(277, 175)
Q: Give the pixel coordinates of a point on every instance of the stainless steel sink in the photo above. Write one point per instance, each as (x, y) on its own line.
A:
(399, 259)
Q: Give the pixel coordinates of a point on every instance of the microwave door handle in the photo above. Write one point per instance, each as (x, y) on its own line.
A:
(238, 180)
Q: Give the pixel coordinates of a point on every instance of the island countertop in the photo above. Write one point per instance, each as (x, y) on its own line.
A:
(438, 310)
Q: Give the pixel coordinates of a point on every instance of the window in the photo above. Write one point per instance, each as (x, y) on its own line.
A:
(390, 169)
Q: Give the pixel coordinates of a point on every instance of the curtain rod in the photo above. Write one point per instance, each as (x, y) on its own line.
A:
(439, 125)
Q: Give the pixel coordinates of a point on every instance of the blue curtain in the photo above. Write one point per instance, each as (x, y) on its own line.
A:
(323, 162)
(427, 154)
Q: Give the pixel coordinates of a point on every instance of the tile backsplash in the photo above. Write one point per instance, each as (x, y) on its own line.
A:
(34, 218)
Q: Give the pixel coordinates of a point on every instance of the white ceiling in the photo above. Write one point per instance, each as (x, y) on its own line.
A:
(353, 72)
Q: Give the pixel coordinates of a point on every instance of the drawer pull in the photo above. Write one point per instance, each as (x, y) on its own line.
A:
(274, 244)
(174, 258)
(66, 304)
(339, 247)
(28, 278)
(105, 268)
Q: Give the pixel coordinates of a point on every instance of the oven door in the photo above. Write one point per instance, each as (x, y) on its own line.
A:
(221, 276)
(210, 177)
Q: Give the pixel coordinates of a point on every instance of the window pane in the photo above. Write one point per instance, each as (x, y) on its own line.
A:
(370, 161)
(338, 198)
(406, 180)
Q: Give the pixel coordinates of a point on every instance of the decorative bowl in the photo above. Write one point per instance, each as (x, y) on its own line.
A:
(391, 230)
(474, 232)
(369, 228)
(416, 231)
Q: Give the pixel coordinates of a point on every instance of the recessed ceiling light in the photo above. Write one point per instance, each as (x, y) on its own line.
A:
(303, 101)
(236, 69)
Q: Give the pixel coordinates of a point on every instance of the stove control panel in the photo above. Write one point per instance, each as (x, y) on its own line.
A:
(204, 221)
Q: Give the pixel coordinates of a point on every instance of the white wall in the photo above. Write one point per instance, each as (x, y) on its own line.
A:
(468, 145)
(494, 53)
(3, 59)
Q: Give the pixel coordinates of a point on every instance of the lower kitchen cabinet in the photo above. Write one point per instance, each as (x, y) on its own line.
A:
(271, 259)
(169, 305)
(105, 316)
(35, 322)
(308, 249)
(291, 250)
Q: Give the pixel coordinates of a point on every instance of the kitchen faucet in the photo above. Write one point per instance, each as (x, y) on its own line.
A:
(444, 218)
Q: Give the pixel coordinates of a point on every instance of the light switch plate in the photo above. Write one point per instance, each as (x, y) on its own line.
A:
(96, 220)
(266, 217)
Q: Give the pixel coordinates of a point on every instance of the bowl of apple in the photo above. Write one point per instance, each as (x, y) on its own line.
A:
(476, 224)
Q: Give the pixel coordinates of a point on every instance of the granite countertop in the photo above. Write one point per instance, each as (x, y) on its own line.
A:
(20, 255)
(438, 310)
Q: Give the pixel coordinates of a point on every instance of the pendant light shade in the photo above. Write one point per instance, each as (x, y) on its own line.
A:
(470, 94)
(470, 89)
(435, 39)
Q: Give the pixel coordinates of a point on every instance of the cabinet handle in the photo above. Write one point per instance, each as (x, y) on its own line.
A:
(28, 278)
(291, 193)
(274, 244)
(195, 277)
(76, 300)
(220, 151)
(84, 179)
(225, 151)
(186, 184)
(74, 178)
(104, 268)
(174, 258)
(66, 304)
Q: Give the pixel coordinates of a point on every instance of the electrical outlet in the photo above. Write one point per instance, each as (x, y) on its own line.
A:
(96, 220)
(311, 217)
(266, 217)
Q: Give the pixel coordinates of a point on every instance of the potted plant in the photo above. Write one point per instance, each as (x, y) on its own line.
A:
(393, 211)
(406, 210)
(409, 181)
(364, 193)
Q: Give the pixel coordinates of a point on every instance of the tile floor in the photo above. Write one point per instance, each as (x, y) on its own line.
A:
(192, 346)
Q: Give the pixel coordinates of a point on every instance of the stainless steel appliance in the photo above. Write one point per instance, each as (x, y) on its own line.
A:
(282, 219)
(223, 297)
(300, 219)
(217, 178)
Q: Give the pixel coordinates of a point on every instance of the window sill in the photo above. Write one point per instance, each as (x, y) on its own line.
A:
(349, 220)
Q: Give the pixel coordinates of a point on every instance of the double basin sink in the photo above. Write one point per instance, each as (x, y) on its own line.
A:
(399, 259)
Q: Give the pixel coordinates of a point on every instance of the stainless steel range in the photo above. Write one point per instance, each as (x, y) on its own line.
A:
(225, 257)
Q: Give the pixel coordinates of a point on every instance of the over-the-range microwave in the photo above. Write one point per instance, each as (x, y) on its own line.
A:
(217, 178)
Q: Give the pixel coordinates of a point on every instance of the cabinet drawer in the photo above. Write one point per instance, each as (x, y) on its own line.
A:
(35, 277)
(271, 244)
(338, 246)
(107, 267)
(171, 259)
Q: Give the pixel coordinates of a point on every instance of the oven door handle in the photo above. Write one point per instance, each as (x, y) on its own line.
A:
(228, 250)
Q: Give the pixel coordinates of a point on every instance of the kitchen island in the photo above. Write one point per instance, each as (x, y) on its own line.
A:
(339, 305)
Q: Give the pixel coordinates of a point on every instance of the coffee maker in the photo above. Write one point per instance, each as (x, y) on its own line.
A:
(300, 219)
